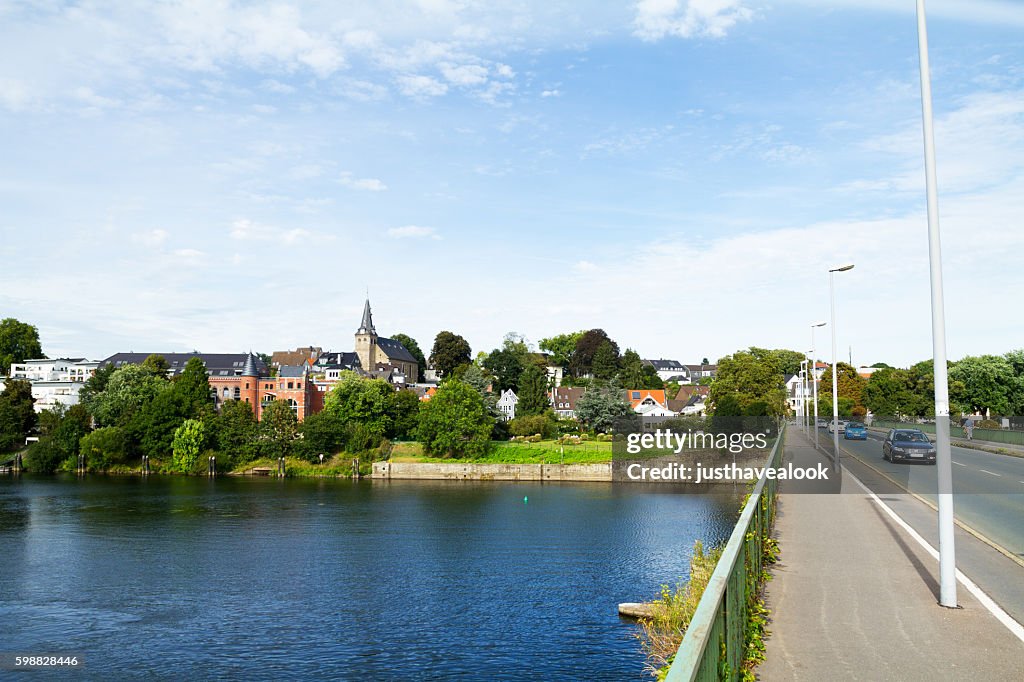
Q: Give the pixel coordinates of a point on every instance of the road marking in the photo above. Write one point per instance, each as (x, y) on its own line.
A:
(1002, 616)
(959, 464)
(990, 473)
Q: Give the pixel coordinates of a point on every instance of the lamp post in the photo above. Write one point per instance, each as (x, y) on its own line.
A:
(803, 392)
(835, 380)
(814, 378)
(943, 457)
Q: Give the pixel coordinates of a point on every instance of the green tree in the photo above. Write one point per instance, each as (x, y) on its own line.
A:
(94, 387)
(414, 350)
(17, 417)
(193, 388)
(356, 400)
(157, 365)
(450, 351)
(322, 433)
(19, 341)
(455, 422)
(506, 365)
(749, 377)
(888, 392)
(403, 408)
(234, 431)
(990, 384)
(632, 373)
(278, 430)
(533, 392)
(851, 384)
(189, 441)
(604, 409)
(561, 347)
(104, 447)
(129, 389)
(606, 361)
(587, 347)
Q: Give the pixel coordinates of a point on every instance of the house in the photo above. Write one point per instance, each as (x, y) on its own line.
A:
(685, 393)
(373, 349)
(796, 397)
(295, 357)
(507, 404)
(698, 372)
(670, 370)
(54, 381)
(427, 393)
(649, 403)
(564, 399)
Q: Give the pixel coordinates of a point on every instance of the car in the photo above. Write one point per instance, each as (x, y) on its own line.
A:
(908, 445)
(822, 423)
(842, 426)
(855, 431)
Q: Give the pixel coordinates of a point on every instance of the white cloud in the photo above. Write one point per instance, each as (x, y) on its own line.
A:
(551, 93)
(413, 232)
(14, 95)
(585, 266)
(151, 238)
(368, 184)
(464, 74)
(421, 86)
(656, 19)
(244, 229)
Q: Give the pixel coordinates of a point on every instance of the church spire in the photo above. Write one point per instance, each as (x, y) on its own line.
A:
(366, 326)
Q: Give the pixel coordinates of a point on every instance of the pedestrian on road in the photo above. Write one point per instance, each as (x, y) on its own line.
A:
(969, 428)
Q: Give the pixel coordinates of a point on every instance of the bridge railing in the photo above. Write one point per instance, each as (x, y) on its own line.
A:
(714, 644)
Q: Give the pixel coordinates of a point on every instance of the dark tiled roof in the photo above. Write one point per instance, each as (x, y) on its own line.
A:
(395, 350)
(291, 371)
(366, 326)
(661, 365)
(337, 359)
(216, 363)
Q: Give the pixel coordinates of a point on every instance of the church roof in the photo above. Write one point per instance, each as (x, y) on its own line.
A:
(366, 326)
(395, 350)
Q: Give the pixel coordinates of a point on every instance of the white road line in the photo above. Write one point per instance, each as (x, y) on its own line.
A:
(1002, 616)
(959, 464)
(990, 473)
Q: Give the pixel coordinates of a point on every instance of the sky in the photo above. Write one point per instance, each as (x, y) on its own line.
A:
(222, 176)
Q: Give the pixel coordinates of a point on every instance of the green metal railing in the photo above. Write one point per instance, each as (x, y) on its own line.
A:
(989, 435)
(714, 645)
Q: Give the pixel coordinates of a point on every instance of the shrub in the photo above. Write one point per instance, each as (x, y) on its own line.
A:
(104, 448)
(535, 424)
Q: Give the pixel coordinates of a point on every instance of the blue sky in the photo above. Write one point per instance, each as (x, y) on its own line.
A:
(220, 176)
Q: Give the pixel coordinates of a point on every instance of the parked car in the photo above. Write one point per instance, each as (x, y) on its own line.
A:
(855, 431)
(908, 445)
(842, 426)
(822, 423)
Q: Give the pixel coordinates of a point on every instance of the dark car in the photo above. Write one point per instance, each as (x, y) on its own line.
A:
(855, 431)
(908, 445)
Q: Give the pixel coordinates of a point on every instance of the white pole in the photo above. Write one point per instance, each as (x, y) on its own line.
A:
(943, 458)
(835, 381)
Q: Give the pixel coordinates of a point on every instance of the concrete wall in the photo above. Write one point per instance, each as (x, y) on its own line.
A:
(493, 472)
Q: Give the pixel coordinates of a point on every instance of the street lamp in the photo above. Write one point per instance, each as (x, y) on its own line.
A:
(814, 379)
(802, 375)
(835, 380)
(943, 457)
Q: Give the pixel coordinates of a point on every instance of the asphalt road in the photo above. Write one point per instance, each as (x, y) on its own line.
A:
(988, 488)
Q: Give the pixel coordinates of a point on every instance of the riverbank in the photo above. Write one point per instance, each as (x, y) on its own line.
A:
(474, 471)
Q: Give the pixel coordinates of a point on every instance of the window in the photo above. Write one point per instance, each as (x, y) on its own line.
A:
(238, 393)
(636, 395)
(291, 384)
(226, 392)
(294, 405)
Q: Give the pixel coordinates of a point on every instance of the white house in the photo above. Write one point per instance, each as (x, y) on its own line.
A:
(670, 370)
(507, 404)
(54, 381)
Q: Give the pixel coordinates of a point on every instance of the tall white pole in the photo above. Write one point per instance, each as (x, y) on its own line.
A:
(943, 458)
(835, 380)
(814, 379)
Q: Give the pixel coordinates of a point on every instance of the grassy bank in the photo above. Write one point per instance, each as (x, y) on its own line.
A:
(504, 452)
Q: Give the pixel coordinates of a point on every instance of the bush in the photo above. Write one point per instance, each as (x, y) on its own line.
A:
(541, 424)
(104, 448)
(360, 438)
(987, 424)
(44, 457)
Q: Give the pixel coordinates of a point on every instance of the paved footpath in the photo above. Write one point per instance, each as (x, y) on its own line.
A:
(854, 597)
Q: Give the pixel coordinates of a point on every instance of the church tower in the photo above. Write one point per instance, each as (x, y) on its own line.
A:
(366, 340)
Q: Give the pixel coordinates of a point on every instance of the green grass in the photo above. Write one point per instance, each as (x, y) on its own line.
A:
(504, 452)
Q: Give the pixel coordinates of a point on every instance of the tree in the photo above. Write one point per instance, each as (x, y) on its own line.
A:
(403, 408)
(450, 351)
(414, 350)
(94, 387)
(19, 341)
(888, 392)
(604, 409)
(851, 384)
(749, 377)
(356, 400)
(561, 347)
(234, 430)
(193, 388)
(104, 447)
(189, 441)
(278, 430)
(129, 389)
(157, 365)
(17, 417)
(990, 385)
(632, 373)
(587, 347)
(455, 423)
(606, 361)
(533, 392)
(506, 365)
(323, 433)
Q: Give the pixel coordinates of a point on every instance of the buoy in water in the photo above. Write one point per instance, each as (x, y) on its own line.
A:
(525, 499)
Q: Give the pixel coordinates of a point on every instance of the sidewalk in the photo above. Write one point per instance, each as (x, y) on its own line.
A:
(854, 597)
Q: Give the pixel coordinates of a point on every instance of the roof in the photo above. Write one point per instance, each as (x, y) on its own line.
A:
(395, 350)
(686, 392)
(665, 365)
(223, 364)
(635, 396)
(567, 394)
(295, 357)
(334, 359)
(289, 371)
(366, 325)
